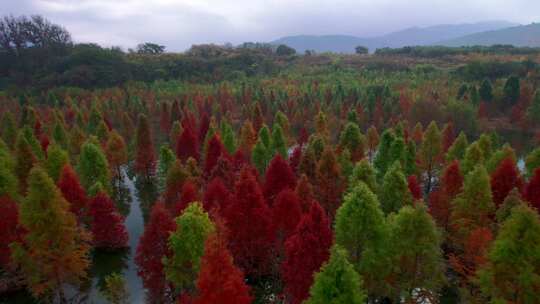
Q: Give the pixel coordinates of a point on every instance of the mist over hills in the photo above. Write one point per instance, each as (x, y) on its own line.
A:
(482, 33)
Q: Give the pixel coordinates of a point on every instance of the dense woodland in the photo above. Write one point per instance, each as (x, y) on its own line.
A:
(270, 177)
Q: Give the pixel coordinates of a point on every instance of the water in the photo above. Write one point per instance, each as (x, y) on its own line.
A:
(106, 263)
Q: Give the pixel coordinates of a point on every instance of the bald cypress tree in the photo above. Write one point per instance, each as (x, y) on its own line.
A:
(429, 154)
(394, 192)
(55, 250)
(145, 160)
(337, 282)
(93, 167)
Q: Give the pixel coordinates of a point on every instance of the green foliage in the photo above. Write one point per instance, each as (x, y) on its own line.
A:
(115, 289)
(59, 135)
(409, 162)
(383, 158)
(165, 161)
(8, 180)
(512, 90)
(57, 158)
(9, 129)
(394, 192)
(229, 138)
(532, 161)
(512, 273)
(193, 226)
(93, 167)
(337, 282)
(33, 142)
(260, 156)
(486, 91)
(458, 148)
(473, 156)
(473, 207)
(533, 112)
(418, 262)
(363, 172)
(352, 139)
(55, 250)
(278, 143)
(360, 228)
(505, 152)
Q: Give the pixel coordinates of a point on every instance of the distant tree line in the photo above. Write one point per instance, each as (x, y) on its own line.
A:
(439, 51)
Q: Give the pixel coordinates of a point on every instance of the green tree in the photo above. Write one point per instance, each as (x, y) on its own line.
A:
(512, 272)
(532, 161)
(473, 156)
(457, 149)
(93, 167)
(409, 162)
(383, 158)
(57, 158)
(9, 129)
(337, 282)
(33, 142)
(60, 135)
(259, 155)
(165, 161)
(363, 172)
(8, 180)
(193, 226)
(512, 90)
(115, 289)
(360, 228)
(486, 91)
(352, 139)
(229, 138)
(533, 112)
(55, 249)
(394, 192)
(475, 96)
(473, 207)
(279, 143)
(24, 160)
(418, 265)
(361, 50)
(429, 153)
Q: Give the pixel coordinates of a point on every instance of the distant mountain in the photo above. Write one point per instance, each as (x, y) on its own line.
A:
(524, 35)
(407, 37)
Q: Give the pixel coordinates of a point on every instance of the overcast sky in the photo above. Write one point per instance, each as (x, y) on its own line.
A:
(180, 23)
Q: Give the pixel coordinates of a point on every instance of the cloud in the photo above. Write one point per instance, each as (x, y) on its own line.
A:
(180, 23)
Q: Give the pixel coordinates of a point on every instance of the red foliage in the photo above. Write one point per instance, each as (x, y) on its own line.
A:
(304, 190)
(224, 169)
(187, 145)
(279, 176)
(249, 221)
(151, 250)
(414, 187)
(448, 136)
(107, 225)
(216, 196)
(72, 191)
(214, 150)
(294, 159)
(145, 159)
(286, 213)
(474, 254)
(505, 178)
(452, 179)
(440, 199)
(10, 231)
(203, 126)
(189, 194)
(532, 190)
(303, 136)
(220, 281)
(44, 142)
(165, 118)
(305, 251)
(482, 110)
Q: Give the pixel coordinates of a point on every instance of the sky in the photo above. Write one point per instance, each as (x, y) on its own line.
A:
(178, 24)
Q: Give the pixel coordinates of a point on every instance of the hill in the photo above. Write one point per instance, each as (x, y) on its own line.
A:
(407, 37)
(524, 35)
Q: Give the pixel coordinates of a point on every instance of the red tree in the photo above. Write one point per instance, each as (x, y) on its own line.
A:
(214, 150)
(204, 125)
(189, 194)
(107, 225)
(505, 178)
(532, 190)
(216, 196)
(165, 118)
(187, 145)
(414, 187)
(440, 200)
(249, 221)
(448, 136)
(145, 160)
(295, 158)
(220, 281)
(10, 231)
(305, 251)
(224, 169)
(286, 214)
(279, 176)
(304, 190)
(151, 250)
(72, 191)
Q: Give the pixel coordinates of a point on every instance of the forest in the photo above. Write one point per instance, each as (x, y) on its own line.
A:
(252, 174)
